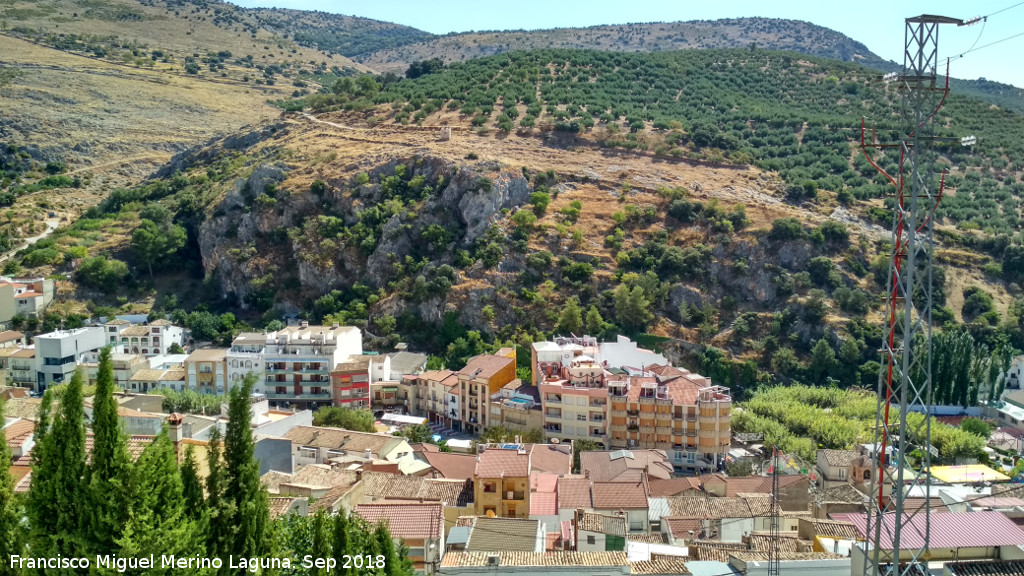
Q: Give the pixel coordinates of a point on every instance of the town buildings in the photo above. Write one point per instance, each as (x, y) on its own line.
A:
(298, 361)
(59, 353)
(24, 297)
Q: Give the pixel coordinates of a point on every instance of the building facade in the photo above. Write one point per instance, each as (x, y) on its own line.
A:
(59, 353)
(298, 361)
(206, 371)
(483, 376)
(350, 383)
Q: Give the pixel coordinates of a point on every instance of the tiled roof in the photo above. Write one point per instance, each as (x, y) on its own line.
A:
(574, 493)
(272, 480)
(136, 444)
(614, 495)
(497, 463)
(689, 507)
(8, 335)
(554, 459)
(380, 486)
(833, 529)
(763, 542)
(653, 538)
(330, 499)
(555, 558)
(602, 524)
(338, 439)
(280, 506)
(659, 566)
(626, 466)
(18, 432)
(451, 466)
(322, 476)
(543, 504)
(756, 556)
(543, 482)
(673, 486)
(840, 457)
(709, 553)
(135, 331)
(410, 521)
(208, 355)
(842, 494)
(487, 364)
(161, 322)
(503, 534)
(680, 528)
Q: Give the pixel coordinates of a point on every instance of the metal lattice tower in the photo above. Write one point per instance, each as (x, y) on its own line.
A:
(905, 378)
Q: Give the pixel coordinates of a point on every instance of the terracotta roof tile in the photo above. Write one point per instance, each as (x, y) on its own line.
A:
(487, 364)
(840, 457)
(659, 566)
(833, 529)
(689, 507)
(554, 459)
(410, 521)
(706, 552)
(503, 464)
(280, 506)
(614, 495)
(503, 534)
(18, 432)
(673, 486)
(680, 528)
(338, 439)
(543, 504)
(625, 465)
(557, 558)
(451, 466)
(574, 493)
(602, 524)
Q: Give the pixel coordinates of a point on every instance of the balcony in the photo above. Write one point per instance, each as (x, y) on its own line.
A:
(633, 412)
(598, 403)
(596, 418)
(513, 495)
(553, 428)
(292, 397)
(553, 413)
(553, 400)
(633, 427)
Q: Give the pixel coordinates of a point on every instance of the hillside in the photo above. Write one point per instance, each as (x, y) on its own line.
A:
(745, 226)
(346, 35)
(774, 34)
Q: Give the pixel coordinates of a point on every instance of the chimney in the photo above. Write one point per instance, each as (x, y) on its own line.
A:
(368, 454)
(586, 474)
(304, 324)
(335, 325)
(359, 475)
(174, 427)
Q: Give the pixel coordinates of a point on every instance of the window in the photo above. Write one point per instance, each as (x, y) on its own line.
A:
(489, 487)
(307, 453)
(591, 540)
(581, 417)
(842, 473)
(867, 474)
(154, 330)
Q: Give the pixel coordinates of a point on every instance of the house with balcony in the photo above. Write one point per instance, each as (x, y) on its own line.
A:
(482, 377)
(674, 410)
(59, 353)
(298, 361)
(350, 382)
(18, 366)
(125, 366)
(24, 296)
(434, 398)
(516, 406)
(244, 357)
(206, 371)
(502, 485)
(152, 339)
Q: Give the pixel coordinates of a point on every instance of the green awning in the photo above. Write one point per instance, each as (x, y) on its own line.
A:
(390, 389)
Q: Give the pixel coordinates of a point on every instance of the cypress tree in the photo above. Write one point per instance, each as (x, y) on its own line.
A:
(10, 535)
(192, 487)
(57, 504)
(321, 545)
(341, 542)
(110, 469)
(220, 529)
(159, 523)
(251, 503)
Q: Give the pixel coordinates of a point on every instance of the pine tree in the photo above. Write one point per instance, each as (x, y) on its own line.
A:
(192, 488)
(10, 534)
(595, 323)
(571, 319)
(251, 502)
(56, 503)
(159, 523)
(823, 359)
(111, 488)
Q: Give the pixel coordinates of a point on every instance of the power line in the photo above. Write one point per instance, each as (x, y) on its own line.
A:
(987, 45)
(1004, 9)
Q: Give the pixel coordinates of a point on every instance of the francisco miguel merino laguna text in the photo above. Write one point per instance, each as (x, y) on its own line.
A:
(122, 563)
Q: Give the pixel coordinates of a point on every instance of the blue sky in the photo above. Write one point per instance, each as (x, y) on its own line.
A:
(872, 22)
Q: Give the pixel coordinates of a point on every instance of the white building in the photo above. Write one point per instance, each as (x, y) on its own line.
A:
(151, 339)
(298, 361)
(246, 357)
(624, 353)
(59, 353)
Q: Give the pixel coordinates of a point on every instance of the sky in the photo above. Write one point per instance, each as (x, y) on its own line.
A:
(872, 22)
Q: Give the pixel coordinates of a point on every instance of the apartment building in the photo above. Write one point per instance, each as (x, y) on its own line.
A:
(206, 371)
(439, 399)
(24, 296)
(298, 361)
(674, 410)
(244, 357)
(59, 353)
(18, 366)
(516, 406)
(574, 399)
(350, 382)
(483, 376)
